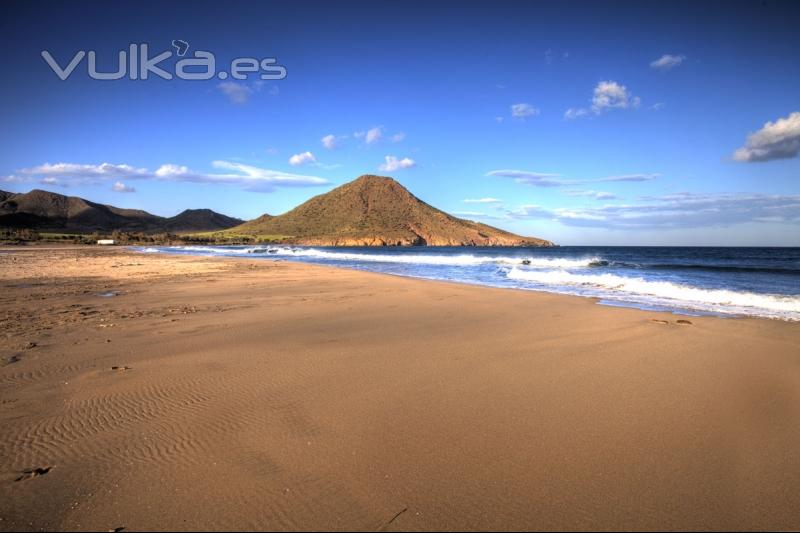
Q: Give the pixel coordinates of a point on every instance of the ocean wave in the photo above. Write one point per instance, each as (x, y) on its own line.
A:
(401, 258)
(710, 268)
(432, 259)
(664, 293)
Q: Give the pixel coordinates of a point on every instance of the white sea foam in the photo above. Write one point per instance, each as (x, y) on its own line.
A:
(553, 274)
(428, 259)
(663, 293)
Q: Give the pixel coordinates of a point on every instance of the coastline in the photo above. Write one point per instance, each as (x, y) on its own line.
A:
(263, 394)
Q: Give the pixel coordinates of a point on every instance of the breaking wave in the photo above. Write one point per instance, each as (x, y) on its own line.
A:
(666, 293)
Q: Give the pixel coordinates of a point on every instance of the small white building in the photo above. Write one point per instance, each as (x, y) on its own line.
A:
(106, 242)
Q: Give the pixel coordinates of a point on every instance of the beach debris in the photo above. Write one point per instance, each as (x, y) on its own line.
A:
(395, 517)
(30, 345)
(30, 473)
(117, 529)
(526, 261)
(108, 294)
(120, 368)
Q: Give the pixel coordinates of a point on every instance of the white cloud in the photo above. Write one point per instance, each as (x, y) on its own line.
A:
(597, 195)
(249, 177)
(542, 179)
(374, 135)
(121, 187)
(775, 140)
(523, 111)
(481, 201)
(103, 170)
(610, 95)
(539, 179)
(331, 142)
(392, 164)
(238, 93)
(398, 137)
(667, 62)
(606, 95)
(573, 113)
(302, 159)
(683, 210)
(628, 177)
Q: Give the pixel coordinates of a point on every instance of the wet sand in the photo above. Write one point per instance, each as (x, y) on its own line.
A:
(158, 393)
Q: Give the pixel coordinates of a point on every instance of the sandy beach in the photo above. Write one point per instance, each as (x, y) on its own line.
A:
(161, 392)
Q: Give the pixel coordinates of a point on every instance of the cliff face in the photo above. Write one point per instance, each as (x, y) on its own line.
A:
(377, 211)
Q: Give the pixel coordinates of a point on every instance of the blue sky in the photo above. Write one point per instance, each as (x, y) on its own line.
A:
(583, 123)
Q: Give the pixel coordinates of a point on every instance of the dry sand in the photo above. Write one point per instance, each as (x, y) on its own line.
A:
(217, 394)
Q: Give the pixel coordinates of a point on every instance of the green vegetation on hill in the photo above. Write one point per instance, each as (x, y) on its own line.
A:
(377, 211)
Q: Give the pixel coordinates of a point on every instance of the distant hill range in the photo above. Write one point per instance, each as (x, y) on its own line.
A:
(376, 211)
(369, 211)
(48, 211)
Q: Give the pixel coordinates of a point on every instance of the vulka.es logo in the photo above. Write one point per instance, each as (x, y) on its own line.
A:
(135, 63)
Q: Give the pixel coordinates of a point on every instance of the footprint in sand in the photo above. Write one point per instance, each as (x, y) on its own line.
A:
(684, 322)
(658, 321)
(33, 472)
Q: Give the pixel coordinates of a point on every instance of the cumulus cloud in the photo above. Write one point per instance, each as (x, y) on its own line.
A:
(523, 111)
(607, 95)
(392, 164)
(302, 159)
(373, 135)
(667, 62)
(775, 140)
(121, 187)
(331, 142)
(238, 93)
(611, 95)
(481, 201)
(246, 176)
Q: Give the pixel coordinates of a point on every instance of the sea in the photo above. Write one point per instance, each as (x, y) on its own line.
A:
(723, 281)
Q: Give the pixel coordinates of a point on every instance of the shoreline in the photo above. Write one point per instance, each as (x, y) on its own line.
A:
(219, 393)
(599, 300)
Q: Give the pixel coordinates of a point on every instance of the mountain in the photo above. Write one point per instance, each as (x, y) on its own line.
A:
(5, 195)
(43, 210)
(377, 211)
(194, 220)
